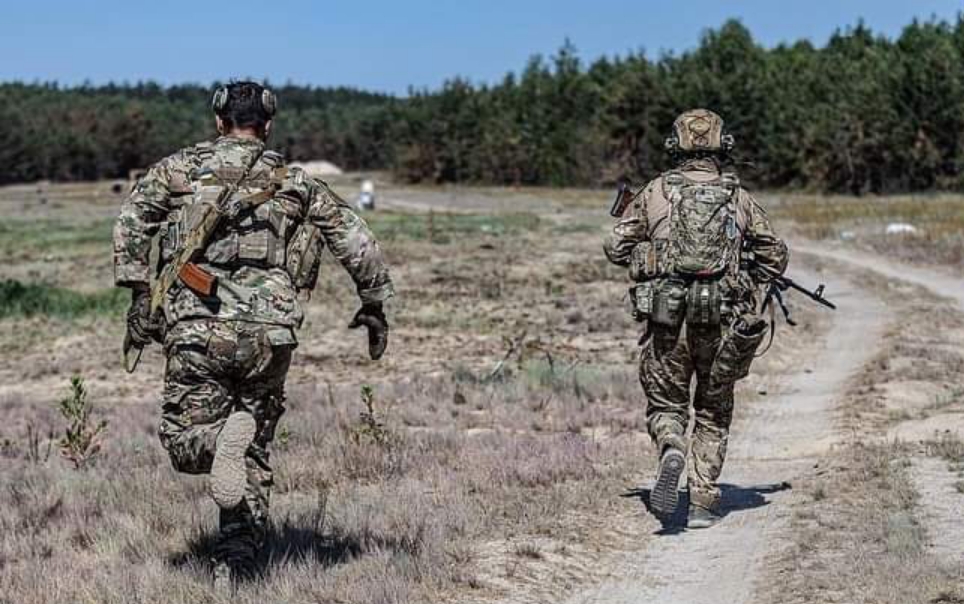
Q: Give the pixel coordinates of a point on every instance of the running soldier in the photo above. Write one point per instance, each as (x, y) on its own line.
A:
(240, 235)
(690, 238)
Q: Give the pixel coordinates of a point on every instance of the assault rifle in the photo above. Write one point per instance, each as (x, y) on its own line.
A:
(779, 284)
(181, 267)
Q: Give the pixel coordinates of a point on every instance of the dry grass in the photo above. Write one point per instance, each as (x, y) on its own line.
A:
(401, 503)
(939, 220)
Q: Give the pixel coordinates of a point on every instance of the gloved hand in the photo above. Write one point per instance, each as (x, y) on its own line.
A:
(140, 329)
(373, 318)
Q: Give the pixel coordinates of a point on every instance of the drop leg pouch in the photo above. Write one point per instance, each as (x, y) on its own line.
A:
(737, 351)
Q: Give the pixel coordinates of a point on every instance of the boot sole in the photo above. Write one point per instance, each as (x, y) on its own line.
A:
(665, 495)
(228, 472)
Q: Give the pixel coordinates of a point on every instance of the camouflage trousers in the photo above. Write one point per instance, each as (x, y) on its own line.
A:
(669, 360)
(215, 368)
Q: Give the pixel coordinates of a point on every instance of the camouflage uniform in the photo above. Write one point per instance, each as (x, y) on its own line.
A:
(231, 351)
(672, 355)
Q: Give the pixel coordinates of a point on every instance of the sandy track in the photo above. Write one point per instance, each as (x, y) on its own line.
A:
(777, 441)
(941, 283)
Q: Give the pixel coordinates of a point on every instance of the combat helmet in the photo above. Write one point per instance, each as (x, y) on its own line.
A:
(699, 131)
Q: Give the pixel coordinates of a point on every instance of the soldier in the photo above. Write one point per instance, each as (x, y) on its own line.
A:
(228, 322)
(686, 239)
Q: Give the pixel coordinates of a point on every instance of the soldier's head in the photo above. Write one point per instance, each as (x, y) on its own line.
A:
(699, 133)
(244, 108)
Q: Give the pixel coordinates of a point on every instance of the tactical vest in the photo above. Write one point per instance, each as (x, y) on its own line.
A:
(704, 239)
(269, 232)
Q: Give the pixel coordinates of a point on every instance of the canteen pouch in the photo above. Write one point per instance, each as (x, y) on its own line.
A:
(642, 298)
(737, 351)
(703, 303)
(669, 303)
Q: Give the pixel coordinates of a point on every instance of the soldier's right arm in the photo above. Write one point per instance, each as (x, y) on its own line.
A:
(629, 231)
(141, 216)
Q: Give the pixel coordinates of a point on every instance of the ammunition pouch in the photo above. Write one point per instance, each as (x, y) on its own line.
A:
(304, 256)
(737, 351)
(642, 296)
(703, 303)
(647, 261)
(669, 303)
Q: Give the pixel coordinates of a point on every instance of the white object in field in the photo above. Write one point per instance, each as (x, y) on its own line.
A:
(318, 167)
(366, 199)
(900, 228)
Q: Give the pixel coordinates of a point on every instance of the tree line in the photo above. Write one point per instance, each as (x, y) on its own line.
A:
(863, 113)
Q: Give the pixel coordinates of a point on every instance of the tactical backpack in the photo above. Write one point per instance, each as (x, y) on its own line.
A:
(704, 238)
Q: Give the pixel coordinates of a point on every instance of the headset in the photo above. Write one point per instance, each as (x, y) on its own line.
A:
(269, 102)
(727, 143)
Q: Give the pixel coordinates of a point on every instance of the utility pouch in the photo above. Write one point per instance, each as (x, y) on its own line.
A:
(645, 262)
(703, 303)
(642, 298)
(737, 351)
(304, 256)
(669, 303)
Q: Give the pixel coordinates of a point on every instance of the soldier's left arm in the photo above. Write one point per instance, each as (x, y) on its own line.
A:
(352, 242)
(769, 249)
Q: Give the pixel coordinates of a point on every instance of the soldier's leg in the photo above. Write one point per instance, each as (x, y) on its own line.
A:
(665, 372)
(261, 394)
(196, 400)
(713, 409)
(714, 412)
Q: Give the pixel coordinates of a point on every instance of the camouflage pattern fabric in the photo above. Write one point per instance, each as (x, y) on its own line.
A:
(248, 254)
(672, 356)
(213, 369)
(231, 351)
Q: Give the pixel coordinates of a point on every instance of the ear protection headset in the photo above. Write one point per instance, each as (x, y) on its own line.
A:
(727, 143)
(269, 102)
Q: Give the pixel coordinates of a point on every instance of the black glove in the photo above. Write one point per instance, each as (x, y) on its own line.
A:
(373, 317)
(140, 329)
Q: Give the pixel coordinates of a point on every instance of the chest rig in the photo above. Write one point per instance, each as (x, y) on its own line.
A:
(257, 223)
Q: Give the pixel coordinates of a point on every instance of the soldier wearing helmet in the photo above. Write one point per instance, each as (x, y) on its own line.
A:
(684, 237)
(228, 322)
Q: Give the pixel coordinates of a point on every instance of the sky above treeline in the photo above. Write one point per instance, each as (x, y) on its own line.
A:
(389, 45)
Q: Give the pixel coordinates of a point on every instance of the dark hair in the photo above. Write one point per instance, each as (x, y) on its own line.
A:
(243, 107)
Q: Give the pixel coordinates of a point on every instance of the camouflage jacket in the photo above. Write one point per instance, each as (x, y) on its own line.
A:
(246, 254)
(647, 219)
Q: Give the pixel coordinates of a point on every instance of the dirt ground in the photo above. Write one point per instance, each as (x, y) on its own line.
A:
(507, 459)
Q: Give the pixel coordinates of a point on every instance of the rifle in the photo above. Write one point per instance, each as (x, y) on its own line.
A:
(624, 196)
(779, 284)
(206, 219)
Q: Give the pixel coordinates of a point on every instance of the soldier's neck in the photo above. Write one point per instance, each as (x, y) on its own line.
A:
(244, 133)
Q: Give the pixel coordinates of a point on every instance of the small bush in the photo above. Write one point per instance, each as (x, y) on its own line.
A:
(82, 440)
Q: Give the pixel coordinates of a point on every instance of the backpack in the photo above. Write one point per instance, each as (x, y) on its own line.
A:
(704, 237)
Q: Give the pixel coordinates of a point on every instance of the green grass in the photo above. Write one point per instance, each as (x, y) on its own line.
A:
(34, 299)
(446, 227)
(19, 239)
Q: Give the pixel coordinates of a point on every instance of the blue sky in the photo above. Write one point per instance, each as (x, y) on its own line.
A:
(386, 44)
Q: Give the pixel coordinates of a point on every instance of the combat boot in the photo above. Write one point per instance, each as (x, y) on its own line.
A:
(228, 472)
(701, 517)
(665, 495)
